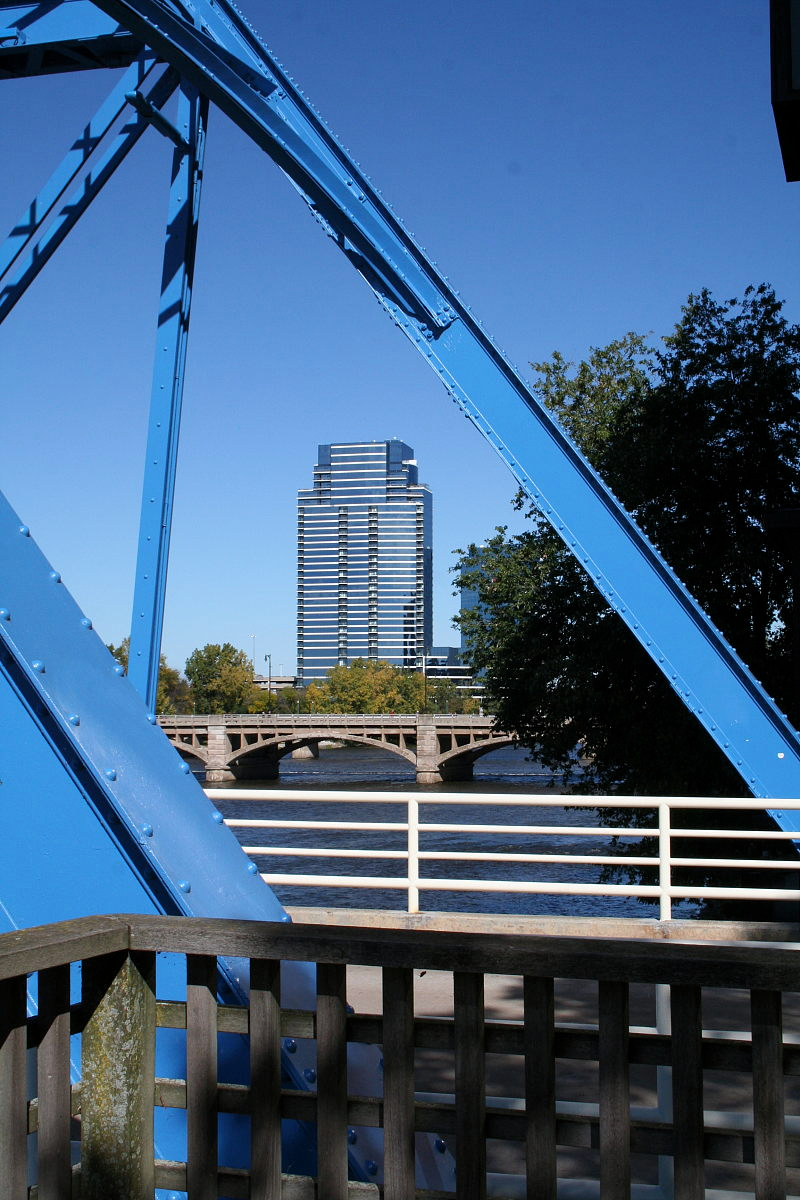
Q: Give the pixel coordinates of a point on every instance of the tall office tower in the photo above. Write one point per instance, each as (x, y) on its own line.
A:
(364, 571)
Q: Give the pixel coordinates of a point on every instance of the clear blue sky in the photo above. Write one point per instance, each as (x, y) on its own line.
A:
(575, 168)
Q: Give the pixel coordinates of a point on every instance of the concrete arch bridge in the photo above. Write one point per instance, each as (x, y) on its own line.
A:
(441, 748)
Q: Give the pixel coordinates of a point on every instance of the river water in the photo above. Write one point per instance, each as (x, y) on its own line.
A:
(506, 771)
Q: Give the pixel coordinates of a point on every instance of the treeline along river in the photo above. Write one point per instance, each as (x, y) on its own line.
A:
(361, 769)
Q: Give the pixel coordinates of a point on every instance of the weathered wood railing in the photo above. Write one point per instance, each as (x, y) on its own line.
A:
(107, 1120)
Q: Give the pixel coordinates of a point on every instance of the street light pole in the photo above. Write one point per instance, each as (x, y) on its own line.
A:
(268, 661)
(253, 636)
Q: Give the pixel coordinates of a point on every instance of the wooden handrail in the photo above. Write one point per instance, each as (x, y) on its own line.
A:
(118, 1015)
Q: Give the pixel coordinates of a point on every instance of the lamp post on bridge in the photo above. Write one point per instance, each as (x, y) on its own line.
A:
(268, 661)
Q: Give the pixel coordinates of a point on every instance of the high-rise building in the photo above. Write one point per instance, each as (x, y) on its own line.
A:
(364, 569)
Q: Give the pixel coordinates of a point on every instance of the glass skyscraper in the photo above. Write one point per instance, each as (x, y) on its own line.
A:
(364, 559)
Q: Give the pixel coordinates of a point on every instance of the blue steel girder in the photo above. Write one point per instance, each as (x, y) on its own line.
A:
(94, 155)
(43, 37)
(212, 46)
(166, 398)
(225, 60)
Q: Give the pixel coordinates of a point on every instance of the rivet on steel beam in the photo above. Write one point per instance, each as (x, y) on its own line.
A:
(372, 1167)
(152, 718)
(55, 576)
(38, 665)
(147, 830)
(5, 614)
(184, 885)
(119, 669)
(310, 1074)
(440, 1145)
(86, 622)
(25, 530)
(352, 1137)
(74, 719)
(291, 1045)
(252, 869)
(286, 919)
(781, 754)
(185, 768)
(110, 773)
(217, 817)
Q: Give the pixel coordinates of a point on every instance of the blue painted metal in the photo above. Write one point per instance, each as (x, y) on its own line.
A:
(167, 393)
(226, 60)
(32, 240)
(107, 788)
(112, 776)
(76, 159)
(102, 815)
(40, 38)
(107, 819)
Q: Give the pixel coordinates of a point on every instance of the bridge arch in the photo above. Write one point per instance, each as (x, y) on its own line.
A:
(187, 751)
(259, 760)
(251, 746)
(471, 754)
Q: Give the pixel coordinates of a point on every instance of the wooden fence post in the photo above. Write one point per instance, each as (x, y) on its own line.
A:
(118, 1056)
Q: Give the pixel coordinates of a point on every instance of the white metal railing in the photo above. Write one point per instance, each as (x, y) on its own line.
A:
(665, 891)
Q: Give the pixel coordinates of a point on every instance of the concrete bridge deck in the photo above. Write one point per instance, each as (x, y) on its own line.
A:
(245, 746)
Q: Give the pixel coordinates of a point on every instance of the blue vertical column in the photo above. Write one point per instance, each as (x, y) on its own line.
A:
(165, 405)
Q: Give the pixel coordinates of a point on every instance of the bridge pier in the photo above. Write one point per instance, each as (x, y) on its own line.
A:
(217, 769)
(427, 751)
(429, 767)
(220, 769)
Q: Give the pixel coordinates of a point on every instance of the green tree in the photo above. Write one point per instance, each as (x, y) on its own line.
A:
(221, 679)
(367, 686)
(444, 697)
(285, 700)
(173, 694)
(700, 441)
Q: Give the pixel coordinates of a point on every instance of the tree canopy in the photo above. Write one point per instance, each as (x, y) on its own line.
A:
(369, 686)
(221, 678)
(699, 439)
(366, 686)
(173, 694)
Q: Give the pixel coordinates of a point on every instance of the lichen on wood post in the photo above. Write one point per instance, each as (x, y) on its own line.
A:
(118, 1056)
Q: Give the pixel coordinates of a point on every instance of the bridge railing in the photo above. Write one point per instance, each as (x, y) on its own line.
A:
(558, 854)
(95, 1138)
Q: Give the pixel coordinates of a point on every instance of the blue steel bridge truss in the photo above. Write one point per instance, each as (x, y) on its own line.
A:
(81, 758)
(209, 53)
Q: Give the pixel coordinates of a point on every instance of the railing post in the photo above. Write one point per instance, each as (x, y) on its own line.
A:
(470, 1081)
(53, 1084)
(118, 1059)
(666, 1164)
(664, 862)
(413, 853)
(13, 1085)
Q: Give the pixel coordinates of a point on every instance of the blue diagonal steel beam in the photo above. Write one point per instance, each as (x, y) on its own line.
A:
(635, 580)
(260, 103)
(75, 160)
(43, 37)
(167, 393)
(40, 241)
